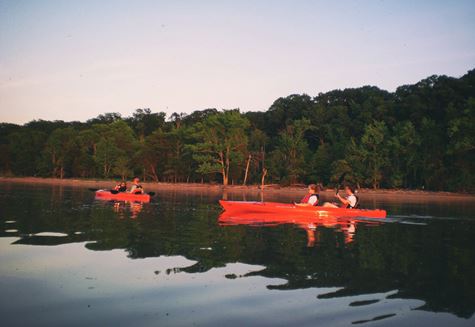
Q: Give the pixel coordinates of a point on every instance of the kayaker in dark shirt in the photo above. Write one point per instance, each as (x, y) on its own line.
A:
(311, 199)
(136, 187)
(121, 187)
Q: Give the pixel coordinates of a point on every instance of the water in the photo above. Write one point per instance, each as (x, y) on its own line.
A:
(68, 260)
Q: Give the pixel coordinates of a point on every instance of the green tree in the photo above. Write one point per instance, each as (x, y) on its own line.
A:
(180, 163)
(154, 154)
(403, 145)
(222, 141)
(115, 149)
(144, 122)
(372, 151)
(320, 167)
(431, 155)
(84, 164)
(258, 141)
(25, 147)
(461, 146)
(59, 151)
(288, 160)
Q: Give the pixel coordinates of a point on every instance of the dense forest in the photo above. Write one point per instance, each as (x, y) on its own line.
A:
(421, 136)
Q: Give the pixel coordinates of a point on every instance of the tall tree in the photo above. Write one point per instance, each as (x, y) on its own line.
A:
(288, 160)
(25, 147)
(115, 149)
(403, 145)
(372, 151)
(59, 151)
(222, 141)
(144, 122)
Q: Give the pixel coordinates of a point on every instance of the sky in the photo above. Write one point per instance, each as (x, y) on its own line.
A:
(73, 60)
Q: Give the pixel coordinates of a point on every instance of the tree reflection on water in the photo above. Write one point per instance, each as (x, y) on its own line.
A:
(433, 261)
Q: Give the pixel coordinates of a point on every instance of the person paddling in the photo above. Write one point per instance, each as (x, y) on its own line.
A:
(121, 187)
(136, 187)
(350, 201)
(312, 197)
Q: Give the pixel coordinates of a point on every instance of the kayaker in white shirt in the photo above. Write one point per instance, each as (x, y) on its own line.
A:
(136, 187)
(350, 201)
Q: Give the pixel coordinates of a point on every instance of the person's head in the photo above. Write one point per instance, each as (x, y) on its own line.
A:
(123, 183)
(349, 189)
(136, 180)
(313, 188)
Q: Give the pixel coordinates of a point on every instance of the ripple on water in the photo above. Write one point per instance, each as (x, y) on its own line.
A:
(51, 234)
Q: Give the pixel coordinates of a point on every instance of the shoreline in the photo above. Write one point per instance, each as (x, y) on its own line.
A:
(195, 187)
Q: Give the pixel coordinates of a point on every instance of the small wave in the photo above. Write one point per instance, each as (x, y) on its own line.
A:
(420, 217)
(51, 234)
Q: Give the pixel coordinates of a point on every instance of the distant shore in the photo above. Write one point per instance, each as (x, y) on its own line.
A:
(218, 188)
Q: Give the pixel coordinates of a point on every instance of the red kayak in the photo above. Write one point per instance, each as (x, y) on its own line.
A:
(298, 212)
(122, 196)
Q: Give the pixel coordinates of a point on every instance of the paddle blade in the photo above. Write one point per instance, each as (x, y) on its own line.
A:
(93, 189)
(151, 193)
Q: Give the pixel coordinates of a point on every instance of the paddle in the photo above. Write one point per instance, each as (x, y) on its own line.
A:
(149, 193)
(98, 189)
(340, 180)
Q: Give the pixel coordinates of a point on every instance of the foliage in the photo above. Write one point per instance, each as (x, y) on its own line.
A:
(289, 157)
(222, 143)
(420, 136)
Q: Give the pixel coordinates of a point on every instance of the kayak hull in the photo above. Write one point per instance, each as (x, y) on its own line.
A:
(284, 210)
(122, 196)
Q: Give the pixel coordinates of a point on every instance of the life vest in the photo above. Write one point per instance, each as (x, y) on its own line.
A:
(120, 188)
(308, 196)
(357, 203)
(138, 189)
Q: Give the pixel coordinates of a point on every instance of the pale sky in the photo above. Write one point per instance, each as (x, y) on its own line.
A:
(73, 60)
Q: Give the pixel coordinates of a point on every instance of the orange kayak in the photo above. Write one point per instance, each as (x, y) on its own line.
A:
(290, 210)
(122, 196)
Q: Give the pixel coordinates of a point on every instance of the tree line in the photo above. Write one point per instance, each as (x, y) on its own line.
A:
(421, 136)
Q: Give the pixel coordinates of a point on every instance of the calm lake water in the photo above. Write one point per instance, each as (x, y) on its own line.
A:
(67, 259)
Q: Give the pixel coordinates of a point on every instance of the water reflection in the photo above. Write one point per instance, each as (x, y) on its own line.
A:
(312, 225)
(126, 209)
(361, 269)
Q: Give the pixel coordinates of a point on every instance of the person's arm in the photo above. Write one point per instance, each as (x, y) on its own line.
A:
(343, 200)
(311, 202)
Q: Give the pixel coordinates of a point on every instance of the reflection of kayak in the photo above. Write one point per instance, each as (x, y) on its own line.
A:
(274, 218)
(290, 210)
(122, 196)
(308, 220)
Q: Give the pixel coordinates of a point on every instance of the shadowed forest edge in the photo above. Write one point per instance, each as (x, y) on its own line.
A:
(421, 136)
